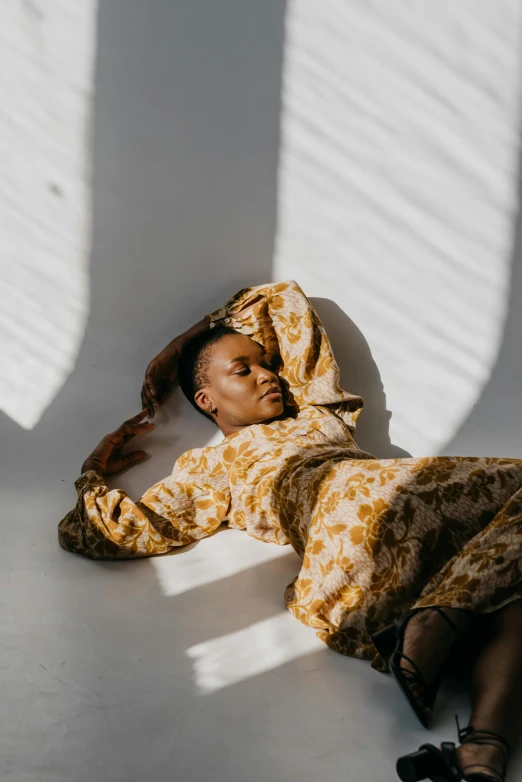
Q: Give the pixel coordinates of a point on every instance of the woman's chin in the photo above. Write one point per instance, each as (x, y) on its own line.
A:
(272, 406)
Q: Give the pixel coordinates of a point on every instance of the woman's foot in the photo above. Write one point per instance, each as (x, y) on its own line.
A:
(428, 639)
(482, 756)
(487, 760)
(417, 645)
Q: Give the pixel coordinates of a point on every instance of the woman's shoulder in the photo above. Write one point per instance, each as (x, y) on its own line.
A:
(207, 461)
(260, 436)
(193, 457)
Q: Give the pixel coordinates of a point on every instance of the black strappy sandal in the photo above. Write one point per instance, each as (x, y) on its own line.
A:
(440, 765)
(389, 643)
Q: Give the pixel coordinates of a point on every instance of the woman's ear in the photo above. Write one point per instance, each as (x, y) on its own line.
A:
(203, 400)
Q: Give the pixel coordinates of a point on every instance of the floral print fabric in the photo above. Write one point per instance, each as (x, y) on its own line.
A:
(376, 536)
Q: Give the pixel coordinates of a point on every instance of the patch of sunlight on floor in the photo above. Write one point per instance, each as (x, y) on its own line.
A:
(215, 558)
(398, 189)
(239, 566)
(46, 65)
(255, 649)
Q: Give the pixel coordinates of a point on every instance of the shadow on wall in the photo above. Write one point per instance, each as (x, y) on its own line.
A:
(186, 142)
(494, 426)
(360, 375)
(185, 145)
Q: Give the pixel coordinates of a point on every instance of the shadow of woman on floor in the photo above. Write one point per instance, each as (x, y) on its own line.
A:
(360, 375)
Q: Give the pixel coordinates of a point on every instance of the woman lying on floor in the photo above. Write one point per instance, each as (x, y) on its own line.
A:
(432, 545)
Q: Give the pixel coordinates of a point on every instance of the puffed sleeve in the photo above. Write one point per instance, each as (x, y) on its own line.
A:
(281, 318)
(188, 505)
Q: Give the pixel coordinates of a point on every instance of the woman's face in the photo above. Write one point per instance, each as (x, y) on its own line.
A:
(242, 389)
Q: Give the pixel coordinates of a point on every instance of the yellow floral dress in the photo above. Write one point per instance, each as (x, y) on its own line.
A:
(376, 537)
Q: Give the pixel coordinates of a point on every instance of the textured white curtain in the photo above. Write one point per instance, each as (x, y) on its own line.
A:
(397, 192)
(46, 77)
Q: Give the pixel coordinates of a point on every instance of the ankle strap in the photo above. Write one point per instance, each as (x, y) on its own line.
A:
(471, 736)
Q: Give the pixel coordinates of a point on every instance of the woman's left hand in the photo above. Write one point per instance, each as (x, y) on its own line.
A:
(106, 459)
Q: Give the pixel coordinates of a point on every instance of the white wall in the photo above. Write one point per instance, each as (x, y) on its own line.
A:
(184, 154)
(47, 58)
(398, 199)
(187, 668)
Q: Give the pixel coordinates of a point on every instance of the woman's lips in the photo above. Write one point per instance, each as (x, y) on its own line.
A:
(272, 392)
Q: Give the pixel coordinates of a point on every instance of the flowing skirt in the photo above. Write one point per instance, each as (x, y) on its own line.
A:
(388, 535)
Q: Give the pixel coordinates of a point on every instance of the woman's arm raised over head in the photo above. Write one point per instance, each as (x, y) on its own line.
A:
(283, 320)
(162, 372)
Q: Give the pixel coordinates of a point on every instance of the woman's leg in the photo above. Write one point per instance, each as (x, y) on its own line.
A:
(497, 689)
(486, 570)
(429, 638)
(387, 536)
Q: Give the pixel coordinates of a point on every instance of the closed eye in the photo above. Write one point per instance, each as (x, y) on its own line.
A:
(272, 366)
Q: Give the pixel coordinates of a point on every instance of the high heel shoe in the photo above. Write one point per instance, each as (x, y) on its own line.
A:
(390, 643)
(440, 765)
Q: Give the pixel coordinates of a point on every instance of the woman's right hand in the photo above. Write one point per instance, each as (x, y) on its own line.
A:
(106, 459)
(160, 376)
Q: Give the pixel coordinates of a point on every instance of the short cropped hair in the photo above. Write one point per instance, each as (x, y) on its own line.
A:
(194, 363)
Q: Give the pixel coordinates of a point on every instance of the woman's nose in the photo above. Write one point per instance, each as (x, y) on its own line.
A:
(264, 375)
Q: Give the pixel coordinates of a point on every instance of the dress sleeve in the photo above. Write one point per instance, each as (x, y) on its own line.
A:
(280, 317)
(188, 505)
